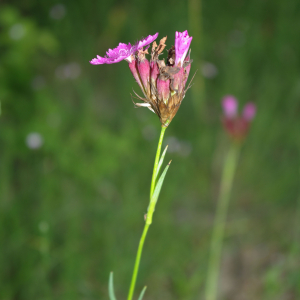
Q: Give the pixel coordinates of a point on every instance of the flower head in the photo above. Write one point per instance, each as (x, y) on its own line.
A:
(237, 126)
(164, 89)
(123, 51)
(162, 84)
(182, 45)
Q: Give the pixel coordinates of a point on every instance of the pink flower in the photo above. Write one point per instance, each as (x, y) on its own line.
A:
(249, 111)
(123, 51)
(237, 126)
(182, 45)
(163, 83)
(230, 106)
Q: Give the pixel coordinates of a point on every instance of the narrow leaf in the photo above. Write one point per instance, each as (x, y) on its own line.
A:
(142, 293)
(159, 185)
(111, 292)
(161, 161)
(155, 195)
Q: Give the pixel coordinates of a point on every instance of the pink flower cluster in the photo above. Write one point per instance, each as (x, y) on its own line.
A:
(163, 84)
(237, 126)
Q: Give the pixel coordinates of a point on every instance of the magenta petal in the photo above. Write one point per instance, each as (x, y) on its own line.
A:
(182, 45)
(249, 111)
(123, 51)
(230, 106)
(146, 41)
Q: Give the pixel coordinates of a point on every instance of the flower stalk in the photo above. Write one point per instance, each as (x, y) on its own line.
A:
(163, 85)
(148, 217)
(220, 220)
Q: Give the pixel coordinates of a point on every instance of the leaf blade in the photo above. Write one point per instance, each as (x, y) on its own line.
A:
(142, 293)
(161, 161)
(111, 292)
(155, 195)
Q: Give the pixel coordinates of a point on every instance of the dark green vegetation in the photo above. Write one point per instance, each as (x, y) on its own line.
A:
(72, 210)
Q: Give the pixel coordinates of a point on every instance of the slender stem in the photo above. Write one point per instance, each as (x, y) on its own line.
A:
(219, 224)
(153, 181)
(137, 261)
(142, 240)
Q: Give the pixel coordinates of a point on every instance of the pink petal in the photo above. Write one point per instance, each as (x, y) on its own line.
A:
(146, 41)
(182, 45)
(249, 111)
(123, 51)
(230, 106)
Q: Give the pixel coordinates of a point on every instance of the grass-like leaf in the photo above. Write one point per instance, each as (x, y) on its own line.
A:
(142, 293)
(155, 195)
(111, 292)
(161, 161)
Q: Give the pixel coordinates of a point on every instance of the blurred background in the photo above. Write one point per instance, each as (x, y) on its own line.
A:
(76, 157)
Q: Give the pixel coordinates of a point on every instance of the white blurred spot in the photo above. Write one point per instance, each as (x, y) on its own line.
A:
(209, 70)
(237, 38)
(149, 132)
(38, 82)
(180, 147)
(34, 140)
(71, 71)
(43, 226)
(16, 32)
(57, 11)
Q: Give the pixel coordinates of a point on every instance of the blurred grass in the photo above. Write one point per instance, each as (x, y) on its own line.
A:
(72, 211)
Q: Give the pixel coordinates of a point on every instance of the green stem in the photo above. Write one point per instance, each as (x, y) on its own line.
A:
(219, 224)
(142, 240)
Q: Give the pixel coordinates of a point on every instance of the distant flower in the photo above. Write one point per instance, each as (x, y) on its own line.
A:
(162, 84)
(17, 31)
(237, 126)
(57, 11)
(230, 106)
(68, 71)
(209, 70)
(123, 51)
(34, 140)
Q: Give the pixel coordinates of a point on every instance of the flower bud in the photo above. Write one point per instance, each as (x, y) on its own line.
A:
(144, 71)
(154, 73)
(178, 81)
(133, 68)
(163, 90)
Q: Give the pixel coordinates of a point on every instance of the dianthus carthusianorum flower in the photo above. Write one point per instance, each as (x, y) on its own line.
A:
(162, 83)
(237, 126)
